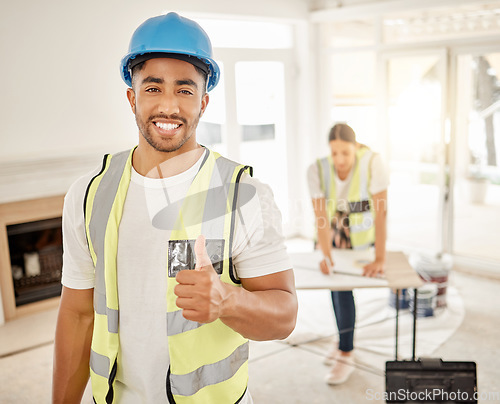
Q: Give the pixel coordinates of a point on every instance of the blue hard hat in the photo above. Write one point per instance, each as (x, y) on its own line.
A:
(174, 35)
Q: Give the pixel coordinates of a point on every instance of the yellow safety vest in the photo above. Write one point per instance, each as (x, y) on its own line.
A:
(208, 362)
(361, 214)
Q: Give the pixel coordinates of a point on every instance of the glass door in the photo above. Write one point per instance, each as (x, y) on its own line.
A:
(210, 129)
(246, 119)
(415, 124)
(249, 115)
(476, 216)
(260, 100)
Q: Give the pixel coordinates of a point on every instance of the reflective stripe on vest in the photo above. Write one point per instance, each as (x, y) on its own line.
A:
(209, 375)
(208, 362)
(361, 216)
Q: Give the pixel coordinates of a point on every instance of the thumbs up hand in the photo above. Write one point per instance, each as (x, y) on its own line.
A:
(200, 293)
(200, 250)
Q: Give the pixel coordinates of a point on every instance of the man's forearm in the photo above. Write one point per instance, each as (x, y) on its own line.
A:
(260, 315)
(71, 355)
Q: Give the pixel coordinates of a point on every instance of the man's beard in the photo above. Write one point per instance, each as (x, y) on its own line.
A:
(168, 146)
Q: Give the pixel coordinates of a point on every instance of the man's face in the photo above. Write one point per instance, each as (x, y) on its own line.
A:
(168, 98)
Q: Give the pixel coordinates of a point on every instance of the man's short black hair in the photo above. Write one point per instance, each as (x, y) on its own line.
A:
(137, 64)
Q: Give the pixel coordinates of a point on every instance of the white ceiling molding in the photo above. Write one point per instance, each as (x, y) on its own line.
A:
(382, 7)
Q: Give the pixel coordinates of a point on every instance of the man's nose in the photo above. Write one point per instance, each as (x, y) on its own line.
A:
(169, 104)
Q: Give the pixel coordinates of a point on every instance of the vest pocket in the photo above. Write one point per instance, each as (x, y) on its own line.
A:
(181, 255)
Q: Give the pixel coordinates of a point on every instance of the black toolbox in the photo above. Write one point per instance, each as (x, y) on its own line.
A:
(430, 380)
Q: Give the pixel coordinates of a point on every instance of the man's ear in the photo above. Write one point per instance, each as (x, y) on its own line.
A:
(204, 103)
(131, 98)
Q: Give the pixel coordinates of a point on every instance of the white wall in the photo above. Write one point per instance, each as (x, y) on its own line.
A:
(61, 89)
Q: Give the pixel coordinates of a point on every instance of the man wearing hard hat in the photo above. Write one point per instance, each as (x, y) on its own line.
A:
(173, 254)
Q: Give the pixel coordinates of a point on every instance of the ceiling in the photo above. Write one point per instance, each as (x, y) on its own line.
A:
(343, 9)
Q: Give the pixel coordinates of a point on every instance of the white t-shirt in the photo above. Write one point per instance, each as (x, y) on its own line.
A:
(379, 182)
(258, 250)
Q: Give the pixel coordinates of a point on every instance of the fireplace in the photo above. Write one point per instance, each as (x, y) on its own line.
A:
(30, 255)
(35, 250)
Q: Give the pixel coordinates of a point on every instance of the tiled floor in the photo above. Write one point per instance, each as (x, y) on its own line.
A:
(279, 372)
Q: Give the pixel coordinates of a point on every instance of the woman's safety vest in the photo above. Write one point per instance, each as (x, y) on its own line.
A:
(361, 216)
(208, 362)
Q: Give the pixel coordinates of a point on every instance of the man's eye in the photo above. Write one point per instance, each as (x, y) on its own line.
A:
(152, 90)
(186, 92)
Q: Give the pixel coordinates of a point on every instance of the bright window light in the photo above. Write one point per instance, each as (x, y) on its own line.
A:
(248, 34)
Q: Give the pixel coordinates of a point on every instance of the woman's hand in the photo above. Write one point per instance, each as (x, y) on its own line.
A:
(326, 266)
(375, 268)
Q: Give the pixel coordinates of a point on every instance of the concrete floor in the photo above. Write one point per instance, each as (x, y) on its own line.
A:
(279, 372)
(285, 374)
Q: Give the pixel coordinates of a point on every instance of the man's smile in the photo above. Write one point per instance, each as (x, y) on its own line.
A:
(167, 126)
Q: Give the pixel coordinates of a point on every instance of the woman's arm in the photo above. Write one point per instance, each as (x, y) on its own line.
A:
(380, 209)
(325, 235)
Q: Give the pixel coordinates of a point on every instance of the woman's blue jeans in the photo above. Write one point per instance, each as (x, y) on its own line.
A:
(345, 313)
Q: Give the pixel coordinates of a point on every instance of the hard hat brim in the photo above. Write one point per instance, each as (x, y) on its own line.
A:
(208, 65)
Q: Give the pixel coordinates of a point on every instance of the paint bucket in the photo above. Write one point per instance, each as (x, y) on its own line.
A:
(404, 299)
(426, 299)
(433, 269)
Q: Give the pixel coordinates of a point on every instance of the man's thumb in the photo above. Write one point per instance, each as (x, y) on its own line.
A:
(200, 250)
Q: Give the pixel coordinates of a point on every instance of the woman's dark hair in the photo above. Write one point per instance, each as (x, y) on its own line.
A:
(343, 132)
